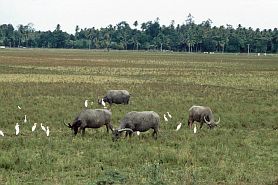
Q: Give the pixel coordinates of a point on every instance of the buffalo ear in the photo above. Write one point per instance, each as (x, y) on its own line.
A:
(78, 123)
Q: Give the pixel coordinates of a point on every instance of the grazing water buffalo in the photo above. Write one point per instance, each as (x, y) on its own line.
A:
(91, 118)
(116, 96)
(138, 121)
(202, 115)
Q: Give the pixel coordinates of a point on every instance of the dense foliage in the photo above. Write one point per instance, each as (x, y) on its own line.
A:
(151, 35)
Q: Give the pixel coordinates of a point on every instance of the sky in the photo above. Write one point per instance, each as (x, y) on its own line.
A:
(46, 14)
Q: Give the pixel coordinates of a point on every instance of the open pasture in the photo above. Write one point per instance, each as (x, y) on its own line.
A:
(51, 86)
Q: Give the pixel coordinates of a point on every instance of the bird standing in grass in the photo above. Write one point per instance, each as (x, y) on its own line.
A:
(25, 119)
(1, 133)
(18, 107)
(47, 131)
(34, 127)
(179, 126)
(102, 102)
(165, 118)
(195, 129)
(86, 103)
(138, 133)
(16, 129)
(169, 115)
(43, 127)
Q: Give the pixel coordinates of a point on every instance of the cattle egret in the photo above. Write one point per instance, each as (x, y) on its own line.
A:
(25, 119)
(16, 129)
(47, 131)
(179, 126)
(34, 127)
(1, 133)
(138, 133)
(165, 118)
(102, 102)
(170, 116)
(19, 107)
(86, 103)
(195, 129)
(43, 127)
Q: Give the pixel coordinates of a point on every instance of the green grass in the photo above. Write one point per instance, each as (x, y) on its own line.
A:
(51, 86)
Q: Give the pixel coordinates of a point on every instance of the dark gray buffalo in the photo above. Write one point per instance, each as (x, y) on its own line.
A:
(91, 118)
(138, 121)
(202, 115)
(116, 96)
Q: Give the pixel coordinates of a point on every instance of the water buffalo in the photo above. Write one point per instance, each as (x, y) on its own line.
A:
(116, 96)
(91, 118)
(138, 121)
(202, 115)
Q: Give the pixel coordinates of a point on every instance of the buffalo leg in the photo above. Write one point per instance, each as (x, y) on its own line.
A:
(82, 131)
(201, 125)
(107, 128)
(110, 102)
(190, 122)
(110, 126)
(75, 131)
(154, 133)
(126, 134)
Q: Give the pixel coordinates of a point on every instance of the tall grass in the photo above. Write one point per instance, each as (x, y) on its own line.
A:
(51, 86)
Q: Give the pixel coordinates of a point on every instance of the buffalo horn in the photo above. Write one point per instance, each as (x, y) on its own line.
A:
(218, 121)
(68, 125)
(125, 129)
(208, 122)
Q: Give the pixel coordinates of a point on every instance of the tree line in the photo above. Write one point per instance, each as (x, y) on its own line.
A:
(151, 35)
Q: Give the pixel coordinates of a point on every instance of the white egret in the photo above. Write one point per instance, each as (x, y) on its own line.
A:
(138, 133)
(25, 118)
(86, 103)
(1, 133)
(170, 116)
(47, 131)
(195, 129)
(16, 129)
(34, 127)
(18, 107)
(43, 127)
(179, 126)
(102, 102)
(165, 118)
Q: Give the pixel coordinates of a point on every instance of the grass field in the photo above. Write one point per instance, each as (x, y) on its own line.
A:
(51, 86)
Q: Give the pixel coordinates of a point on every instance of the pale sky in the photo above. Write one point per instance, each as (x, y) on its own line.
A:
(46, 14)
